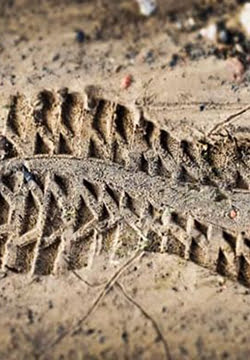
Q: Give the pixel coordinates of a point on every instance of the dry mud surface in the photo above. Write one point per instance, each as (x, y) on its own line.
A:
(124, 213)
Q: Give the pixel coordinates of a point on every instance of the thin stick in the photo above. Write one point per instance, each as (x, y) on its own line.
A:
(79, 277)
(230, 119)
(147, 316)
(109, 284)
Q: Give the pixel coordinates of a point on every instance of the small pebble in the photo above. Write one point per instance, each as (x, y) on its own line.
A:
(225, 36)
(56, 57)
(80, 36)
(147, 7)
(28, 176)
(174, 60)
(126, 82)
(191, 22)
(209, 32)
(233, 214)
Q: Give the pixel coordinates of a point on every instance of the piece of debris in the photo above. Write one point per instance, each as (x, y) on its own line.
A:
(190, 24)
(56, 57)
(147, 7)
(224, 35)
(126, 82)
(174, 60)
(28, 176)
(191, 21)
(202, 107)
(80, 36)
(209, 32)
(245, 18)
(233, 214)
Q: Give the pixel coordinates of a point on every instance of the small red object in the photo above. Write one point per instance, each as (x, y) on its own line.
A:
(126, 82)
(233, 214)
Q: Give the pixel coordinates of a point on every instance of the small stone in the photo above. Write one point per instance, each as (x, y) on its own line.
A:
(147, 7)
(80, 36)
(174, 60)
(28, 176)
(191, 22)
(209, 32)
(56, 57)
(126, 82)
(225, 36)
(233, 214)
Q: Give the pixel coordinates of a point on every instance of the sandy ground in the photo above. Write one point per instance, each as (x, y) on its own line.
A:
(124, 193)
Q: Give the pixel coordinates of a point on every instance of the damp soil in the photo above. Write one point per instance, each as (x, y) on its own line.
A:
(124, 181)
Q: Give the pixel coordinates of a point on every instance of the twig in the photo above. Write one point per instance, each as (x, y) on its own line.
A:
(109, 284)
(86, 282)
(147, 316)
(230, 119)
